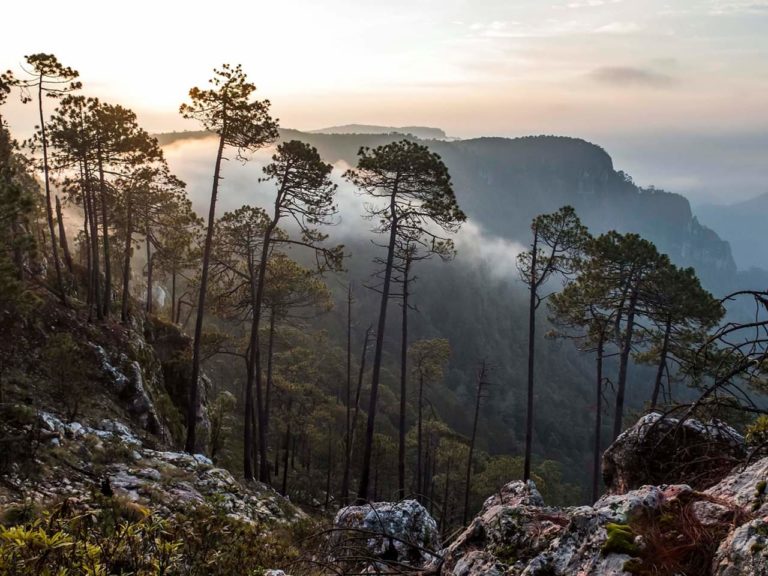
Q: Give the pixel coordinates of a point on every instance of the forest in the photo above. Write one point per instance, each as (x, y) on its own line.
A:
(386, 363)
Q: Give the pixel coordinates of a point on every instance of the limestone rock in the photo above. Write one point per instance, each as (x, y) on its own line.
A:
(658, 450)
(745, 488)
(519, 536)
(402, 531)
(165, 480)
(744, 552)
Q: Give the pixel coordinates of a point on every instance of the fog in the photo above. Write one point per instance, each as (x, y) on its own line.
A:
(192, 161)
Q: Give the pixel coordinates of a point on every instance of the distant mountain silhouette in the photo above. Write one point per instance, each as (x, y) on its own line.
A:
(503, 183)
(743, 224)
(423, 132)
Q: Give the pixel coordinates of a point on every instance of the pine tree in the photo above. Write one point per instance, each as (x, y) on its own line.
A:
(417, 189)
(229, 110)
(558, 240)
(47, 76)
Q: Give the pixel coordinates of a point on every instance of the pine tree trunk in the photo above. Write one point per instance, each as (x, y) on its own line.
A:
(597, 457)
(287, 446)
(330, 468)
(626, 348)
(353, 426)
(419, 451)
(48, 207)
(444, 517)
(249, 419)
(173, 292)
(105, 235)
(127, 252)
(362, 493)
(403, 383)
(270, 368)
(150, 258)
(256, 356)
(94, 235)
(533, 285)
(63, 236)
(468, 476)
(348, 403)
(191, 440)
(662, 363)
(87, 239)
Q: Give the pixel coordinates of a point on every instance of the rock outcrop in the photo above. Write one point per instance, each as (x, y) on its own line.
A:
(658, 450)
(77, 460)
(718, 528)
(403, 533)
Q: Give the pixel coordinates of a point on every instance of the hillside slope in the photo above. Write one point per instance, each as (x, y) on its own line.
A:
(743, 224)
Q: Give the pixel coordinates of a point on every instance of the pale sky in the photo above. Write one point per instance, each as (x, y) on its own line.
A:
(677, 92)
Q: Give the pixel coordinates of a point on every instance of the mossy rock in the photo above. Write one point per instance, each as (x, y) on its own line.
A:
(620, 540)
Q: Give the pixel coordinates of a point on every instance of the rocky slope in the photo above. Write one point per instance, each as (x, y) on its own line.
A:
(96, 409)
(74, 461)
(718, 527)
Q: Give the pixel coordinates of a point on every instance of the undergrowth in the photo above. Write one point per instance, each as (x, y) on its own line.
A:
(113, 536)
(672, 541)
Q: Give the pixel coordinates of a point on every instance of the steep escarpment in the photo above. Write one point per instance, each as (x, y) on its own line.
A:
(503, 183)
(90, 429)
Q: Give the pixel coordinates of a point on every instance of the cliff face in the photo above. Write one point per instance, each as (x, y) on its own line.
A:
(503, 183)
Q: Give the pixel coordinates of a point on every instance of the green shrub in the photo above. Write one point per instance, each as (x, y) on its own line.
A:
(114, 536)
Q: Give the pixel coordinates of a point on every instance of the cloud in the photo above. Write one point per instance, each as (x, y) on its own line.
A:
(476, 246)
(619, 28)
(628, 76)
(720, 7)
(591, 3)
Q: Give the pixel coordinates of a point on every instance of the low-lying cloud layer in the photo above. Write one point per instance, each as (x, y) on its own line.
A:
(631, 77)
(192, 161)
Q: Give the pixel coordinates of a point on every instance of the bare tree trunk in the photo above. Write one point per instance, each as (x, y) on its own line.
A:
(63, 236)
(419, 450)
(48, 207)
(468, 476)
(662, 363)
(362, 493)
(263, 431)
(432, 467)
(531, 351)
(353, 426)
(444, 517)
(94, 233)
(596, 475)
(330, 467)
(105, 234)
(375, 480)
(287, 446)
(277, 459)
(348, 422)
(191, 440)
(249, 420)
(127, 252)
(173, 292)
(626, 348)
(150, 258)
(87, 250)
(270, 367)
(403, 381)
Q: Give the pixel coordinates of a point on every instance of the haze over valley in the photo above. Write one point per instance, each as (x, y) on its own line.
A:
(327, 288)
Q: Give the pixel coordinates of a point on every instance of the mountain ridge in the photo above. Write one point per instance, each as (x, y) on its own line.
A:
(503, 183)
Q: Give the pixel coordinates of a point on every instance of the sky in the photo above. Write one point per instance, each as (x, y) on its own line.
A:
(676, 92)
